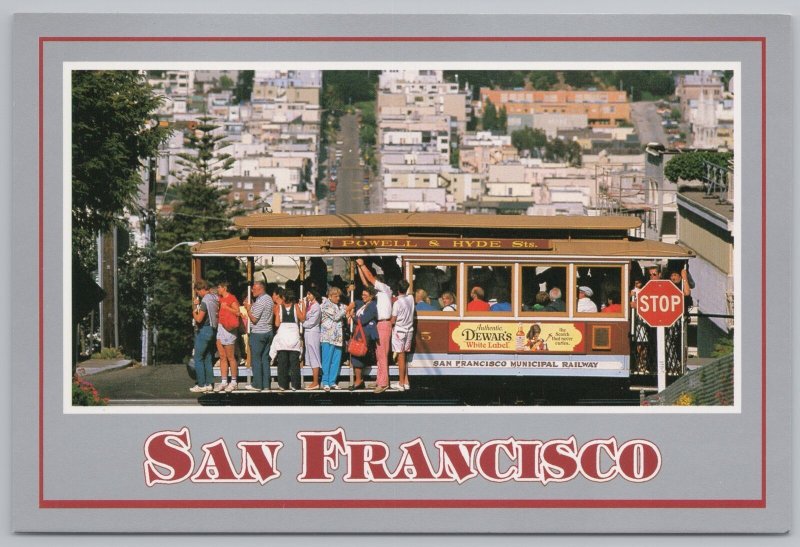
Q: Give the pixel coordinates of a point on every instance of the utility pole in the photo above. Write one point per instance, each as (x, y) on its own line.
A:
(149, 234)
(107, 279)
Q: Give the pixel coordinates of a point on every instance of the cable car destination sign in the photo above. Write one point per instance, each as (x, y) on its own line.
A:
(449, 243)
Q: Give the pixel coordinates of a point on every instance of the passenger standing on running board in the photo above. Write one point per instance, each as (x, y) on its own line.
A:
(205, 316)
(384, 304)
(260, 312)
(402, 332)
(226, 339)
(311, 336)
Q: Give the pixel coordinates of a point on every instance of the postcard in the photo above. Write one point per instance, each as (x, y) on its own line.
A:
(473, 274)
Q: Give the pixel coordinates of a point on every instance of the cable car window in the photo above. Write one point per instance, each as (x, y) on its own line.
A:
(599, 290)
(543, 289)
(489, 288)
(435, 287)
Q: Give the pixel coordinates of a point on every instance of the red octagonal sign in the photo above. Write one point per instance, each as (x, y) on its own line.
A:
(660, 303)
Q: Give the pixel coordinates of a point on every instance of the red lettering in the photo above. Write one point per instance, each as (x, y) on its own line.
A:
(528, 460)
(216, 465)
(455, 459)
(167, 457)
(559, 460)
(321, 452)
(591, 459)
(638, 460)
(414, 463)
(259, 461)
(367, 461)
(488, 460)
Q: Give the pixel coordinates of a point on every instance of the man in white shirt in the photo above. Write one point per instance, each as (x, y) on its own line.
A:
(383, 301)
(585, 303)
(402, 332)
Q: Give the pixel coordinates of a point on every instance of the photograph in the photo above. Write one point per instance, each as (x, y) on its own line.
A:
(536, 236)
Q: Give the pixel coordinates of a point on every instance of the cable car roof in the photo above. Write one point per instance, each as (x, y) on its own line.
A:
(574, 249)
(399, 222)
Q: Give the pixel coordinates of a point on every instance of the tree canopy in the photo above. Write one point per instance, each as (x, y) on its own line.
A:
(494, 119)
(244, 86)
(692, 165)
(114, 131)
(527, 138)
(343, 87)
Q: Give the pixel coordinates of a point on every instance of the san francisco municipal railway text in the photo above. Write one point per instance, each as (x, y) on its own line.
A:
(510, 363)
(328, 456)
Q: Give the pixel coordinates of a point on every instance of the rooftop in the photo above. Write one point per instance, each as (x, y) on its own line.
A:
(710, 203)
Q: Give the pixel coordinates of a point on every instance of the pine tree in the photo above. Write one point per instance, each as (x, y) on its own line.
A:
(200, 212)
(502, 120)
(489, 119)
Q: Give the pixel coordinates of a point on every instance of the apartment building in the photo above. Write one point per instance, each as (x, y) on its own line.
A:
(601, 108)
(252, 194)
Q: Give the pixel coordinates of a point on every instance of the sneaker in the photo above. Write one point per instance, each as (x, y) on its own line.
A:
(221, 387)
(326, 388)
(397, 387)
(231, 387)
(406, 387)
(335, 387)
(266, 390)
(250, 387)
(208, 388)
(197, 389)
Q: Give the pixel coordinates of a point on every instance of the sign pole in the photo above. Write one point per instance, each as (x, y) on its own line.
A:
(661, 359)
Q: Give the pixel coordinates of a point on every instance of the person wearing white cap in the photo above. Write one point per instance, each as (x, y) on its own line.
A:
(585, 303)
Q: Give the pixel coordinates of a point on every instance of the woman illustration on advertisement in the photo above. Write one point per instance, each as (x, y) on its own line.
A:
(535, 342)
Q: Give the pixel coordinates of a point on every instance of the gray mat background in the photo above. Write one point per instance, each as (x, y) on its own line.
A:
(199, 6)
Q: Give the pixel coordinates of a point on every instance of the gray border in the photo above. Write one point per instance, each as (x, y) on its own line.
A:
(785, 74)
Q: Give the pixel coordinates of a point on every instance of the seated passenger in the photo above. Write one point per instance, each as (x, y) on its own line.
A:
(585, 303)
(501, 300)
(448, 301)
(477, 302)
(542, 301)
(422, 302)
(613, 303)
(556, 303)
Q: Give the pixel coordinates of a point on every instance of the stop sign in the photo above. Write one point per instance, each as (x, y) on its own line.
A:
(660, 303)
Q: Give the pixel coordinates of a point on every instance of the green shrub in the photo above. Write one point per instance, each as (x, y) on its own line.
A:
(108, 353)
(85, 394)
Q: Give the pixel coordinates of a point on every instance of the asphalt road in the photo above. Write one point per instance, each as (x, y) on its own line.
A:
(349, 191)
(648, 123)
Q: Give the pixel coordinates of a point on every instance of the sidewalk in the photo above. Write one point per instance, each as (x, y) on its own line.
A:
(94, 366)
(123, 380)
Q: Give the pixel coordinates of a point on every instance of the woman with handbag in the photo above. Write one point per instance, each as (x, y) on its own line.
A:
(365, 313)
(227, 331)
(286, 346)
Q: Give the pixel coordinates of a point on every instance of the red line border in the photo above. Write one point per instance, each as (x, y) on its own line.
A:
(395, 503)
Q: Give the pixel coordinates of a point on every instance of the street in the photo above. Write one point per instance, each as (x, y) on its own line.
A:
(648, 123)
(349, 195)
